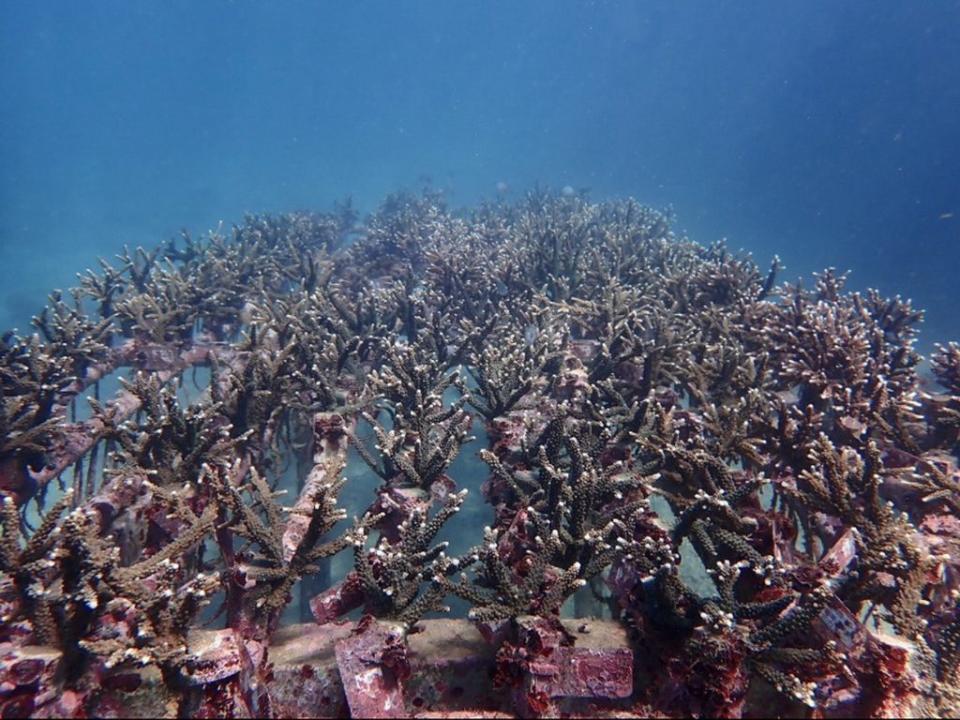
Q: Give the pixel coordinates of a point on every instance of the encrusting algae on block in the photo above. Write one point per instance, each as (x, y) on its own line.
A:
(649, 405)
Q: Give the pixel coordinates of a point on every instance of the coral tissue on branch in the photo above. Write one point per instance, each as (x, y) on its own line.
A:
(708, 494)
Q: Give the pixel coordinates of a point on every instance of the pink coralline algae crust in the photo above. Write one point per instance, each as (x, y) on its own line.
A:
(337, 601)
(373, 689)
(305, 679)
(598, 665)
(450, 666)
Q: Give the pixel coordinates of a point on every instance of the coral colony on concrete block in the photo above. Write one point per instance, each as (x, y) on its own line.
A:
(707, 494)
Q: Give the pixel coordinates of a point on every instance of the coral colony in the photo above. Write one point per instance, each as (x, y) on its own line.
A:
(708, 494)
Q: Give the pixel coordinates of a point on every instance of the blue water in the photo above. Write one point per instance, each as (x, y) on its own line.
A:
(822, 131)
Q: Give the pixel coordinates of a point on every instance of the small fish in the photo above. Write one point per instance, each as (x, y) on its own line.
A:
(501, 287)
(790, 397)
(418, 291)
(946, 215)
(530, 334)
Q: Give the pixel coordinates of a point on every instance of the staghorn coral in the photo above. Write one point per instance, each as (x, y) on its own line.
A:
(172, 444)
(31, 382)
(27, 566)
(392, 573)
(435, 443)
(272, 568)
(497, 594)
(508, 366)
(162, 312)
(425, 436)
(784, 434)
(572, 523)
(78, 596)
(943, 409)
(72, 337)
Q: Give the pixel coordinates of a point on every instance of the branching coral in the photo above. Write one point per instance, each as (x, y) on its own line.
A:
(173, 443)
(572, 524)
(943, 410)
(392, 574)
(272, 568)
(31, 380)
(508, 366)
(27, 566)
(79, 597)
(426, 436)
(785, 436)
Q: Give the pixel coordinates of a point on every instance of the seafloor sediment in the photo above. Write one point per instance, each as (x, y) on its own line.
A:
(646, 404)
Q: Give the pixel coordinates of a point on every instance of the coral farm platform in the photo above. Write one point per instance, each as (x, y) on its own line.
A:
(532, 459)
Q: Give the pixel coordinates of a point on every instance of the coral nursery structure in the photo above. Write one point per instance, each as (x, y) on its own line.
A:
(707, 494)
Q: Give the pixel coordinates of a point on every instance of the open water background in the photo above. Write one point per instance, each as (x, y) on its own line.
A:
(821, 130)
